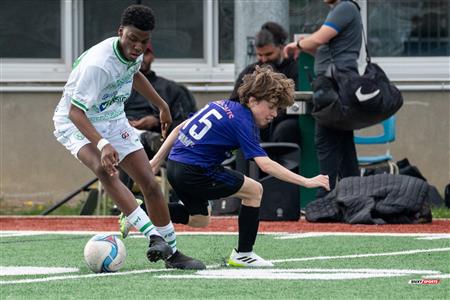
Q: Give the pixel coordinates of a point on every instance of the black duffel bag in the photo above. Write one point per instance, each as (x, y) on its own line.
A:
(347, 101)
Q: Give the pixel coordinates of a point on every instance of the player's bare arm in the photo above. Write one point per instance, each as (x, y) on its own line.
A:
(275, 169)
(143, 86)
(311, 43)
(145, 123)
(164, 150)
(109, 156)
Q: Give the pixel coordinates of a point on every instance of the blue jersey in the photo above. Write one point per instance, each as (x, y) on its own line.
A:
(210, 135)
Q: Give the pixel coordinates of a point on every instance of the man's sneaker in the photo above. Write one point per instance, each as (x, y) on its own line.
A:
(158, 249)
(180, 261)
(247, 259)
(124, 225)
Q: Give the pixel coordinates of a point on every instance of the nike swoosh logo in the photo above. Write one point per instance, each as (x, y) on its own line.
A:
(364, 97)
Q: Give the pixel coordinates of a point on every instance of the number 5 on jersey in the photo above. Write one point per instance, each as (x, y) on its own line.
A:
(197, 131)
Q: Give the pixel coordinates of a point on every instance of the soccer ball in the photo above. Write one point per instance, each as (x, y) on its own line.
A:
(105, 253)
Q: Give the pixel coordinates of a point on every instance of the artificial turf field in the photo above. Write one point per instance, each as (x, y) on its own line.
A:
(310, 265)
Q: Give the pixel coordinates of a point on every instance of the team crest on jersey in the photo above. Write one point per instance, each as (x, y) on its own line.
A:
(78, 135)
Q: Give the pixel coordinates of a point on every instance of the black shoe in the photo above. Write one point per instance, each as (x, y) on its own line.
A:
(180, 261)
(158, 249)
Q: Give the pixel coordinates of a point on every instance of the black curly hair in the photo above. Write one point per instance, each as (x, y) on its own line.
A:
(139, 16)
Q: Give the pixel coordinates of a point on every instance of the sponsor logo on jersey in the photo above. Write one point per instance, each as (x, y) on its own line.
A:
(125, 135)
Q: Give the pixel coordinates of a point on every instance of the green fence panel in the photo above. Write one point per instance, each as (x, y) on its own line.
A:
(309, 165)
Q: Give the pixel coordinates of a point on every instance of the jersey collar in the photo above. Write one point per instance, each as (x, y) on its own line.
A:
(119, 55)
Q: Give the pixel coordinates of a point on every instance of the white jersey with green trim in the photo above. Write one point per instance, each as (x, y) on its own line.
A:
(100, 82)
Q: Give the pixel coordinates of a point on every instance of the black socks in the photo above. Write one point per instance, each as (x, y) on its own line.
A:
(248, 228)
(178, 213)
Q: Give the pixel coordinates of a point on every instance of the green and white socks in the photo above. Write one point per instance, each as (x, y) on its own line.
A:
(140, 220)
(169, 235)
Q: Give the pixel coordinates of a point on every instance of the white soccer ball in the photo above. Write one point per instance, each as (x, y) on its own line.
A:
(105, 253)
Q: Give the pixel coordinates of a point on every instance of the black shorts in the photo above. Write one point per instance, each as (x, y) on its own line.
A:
(195, 185)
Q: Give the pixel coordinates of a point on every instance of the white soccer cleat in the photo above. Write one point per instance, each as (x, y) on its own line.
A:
(247, 260)
(124, 225)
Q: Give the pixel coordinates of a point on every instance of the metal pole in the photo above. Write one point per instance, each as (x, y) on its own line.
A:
(70, 196)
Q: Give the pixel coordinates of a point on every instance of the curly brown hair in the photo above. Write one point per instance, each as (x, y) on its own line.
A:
(265, 84)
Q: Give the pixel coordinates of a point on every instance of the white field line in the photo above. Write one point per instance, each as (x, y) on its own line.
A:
(407, 252)
(321, 234)
(67, 277)
(297, 274)
(438, 237)
(438, 276)
(282, 235)
(13, 233)
(215, 266)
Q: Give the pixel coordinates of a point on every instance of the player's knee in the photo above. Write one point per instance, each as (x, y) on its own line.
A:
(199, 221)
(257, 189)
(101, 173)
(254, 195)
(260, 191)
(151, 187)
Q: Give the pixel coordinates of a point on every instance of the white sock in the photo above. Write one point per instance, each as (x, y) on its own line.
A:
(140, 220)
(169, 235)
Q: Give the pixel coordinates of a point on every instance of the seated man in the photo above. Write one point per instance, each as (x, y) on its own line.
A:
(144, 117)
(269, 43)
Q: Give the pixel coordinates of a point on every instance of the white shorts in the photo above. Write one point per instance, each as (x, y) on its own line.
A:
(119, 133)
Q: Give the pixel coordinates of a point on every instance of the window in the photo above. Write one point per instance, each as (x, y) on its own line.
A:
(178, 25)
(101, 19)
(226, 31)
(408, 28)
(408, 38)
(179, 32)
(30, 29)
(191, 39)
(36, 40)
(306, 16)
(52, 33)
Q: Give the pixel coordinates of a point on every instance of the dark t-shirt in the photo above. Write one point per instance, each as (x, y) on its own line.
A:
(344, 48)
(180, 100)
(288, 67)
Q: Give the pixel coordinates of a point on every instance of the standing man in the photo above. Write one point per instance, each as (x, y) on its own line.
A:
(338, 41)
(269, 44)
(90, 122)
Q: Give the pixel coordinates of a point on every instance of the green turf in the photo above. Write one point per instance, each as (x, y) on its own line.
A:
(67, 251)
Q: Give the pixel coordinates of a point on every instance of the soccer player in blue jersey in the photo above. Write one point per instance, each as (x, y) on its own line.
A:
(90, 122)
(199, 145)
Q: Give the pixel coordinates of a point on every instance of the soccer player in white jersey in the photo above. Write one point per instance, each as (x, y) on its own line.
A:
(90, 122)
